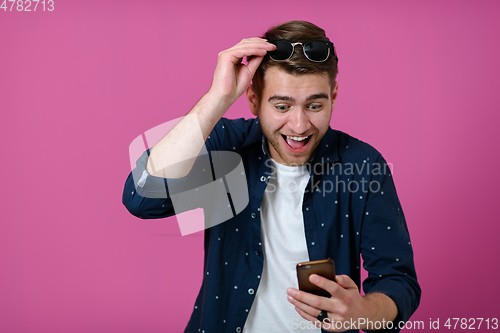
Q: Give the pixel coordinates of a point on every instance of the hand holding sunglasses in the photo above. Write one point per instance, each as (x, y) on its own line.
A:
(314, 50)
(232, 77)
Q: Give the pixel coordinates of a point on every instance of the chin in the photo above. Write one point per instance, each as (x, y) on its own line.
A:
(293, 160)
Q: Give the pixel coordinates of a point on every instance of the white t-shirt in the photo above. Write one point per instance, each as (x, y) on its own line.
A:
(284, 245)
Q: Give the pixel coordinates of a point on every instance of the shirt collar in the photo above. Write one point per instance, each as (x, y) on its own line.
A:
(326, 152)
(254, 134)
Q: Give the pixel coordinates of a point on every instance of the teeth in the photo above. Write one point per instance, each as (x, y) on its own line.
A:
(297, 138)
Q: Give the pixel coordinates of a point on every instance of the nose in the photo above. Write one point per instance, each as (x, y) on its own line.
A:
(299, 121)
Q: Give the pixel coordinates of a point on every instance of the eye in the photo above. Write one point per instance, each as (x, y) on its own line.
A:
(315, 106)
(282, 107)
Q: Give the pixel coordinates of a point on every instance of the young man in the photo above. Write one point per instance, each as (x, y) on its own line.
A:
(314, 193)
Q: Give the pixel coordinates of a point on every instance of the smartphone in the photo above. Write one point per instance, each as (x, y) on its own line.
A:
(325, 267)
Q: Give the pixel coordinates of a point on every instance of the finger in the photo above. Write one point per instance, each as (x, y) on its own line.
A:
(244, 70)
(307, 316)
(253, 64)
(346, 282)
(253, 39)
(258, 42)
(247, 49)
(314, 312)
(324, 283)
(315, 301)
(235, 55)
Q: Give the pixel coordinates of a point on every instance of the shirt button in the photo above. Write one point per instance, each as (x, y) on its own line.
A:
(263, 179)
(257, 253)
(253, 215)
(238, 329)
(251, 291)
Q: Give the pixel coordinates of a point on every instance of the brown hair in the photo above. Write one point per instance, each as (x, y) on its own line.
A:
(295, 31)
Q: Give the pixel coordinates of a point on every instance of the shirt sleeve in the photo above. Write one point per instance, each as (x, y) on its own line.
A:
(386, 247)
(146, 196)
(150, 197)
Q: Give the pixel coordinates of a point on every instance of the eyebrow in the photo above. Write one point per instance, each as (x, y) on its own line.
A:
(317, 96)
(290, 99)
(281, 98)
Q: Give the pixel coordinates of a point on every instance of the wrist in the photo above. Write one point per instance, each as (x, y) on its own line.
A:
(217, 101)
(378, 310)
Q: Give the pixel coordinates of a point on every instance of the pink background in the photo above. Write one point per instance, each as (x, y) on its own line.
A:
(418, 80)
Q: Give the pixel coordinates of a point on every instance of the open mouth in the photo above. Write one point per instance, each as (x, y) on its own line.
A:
(296, 144)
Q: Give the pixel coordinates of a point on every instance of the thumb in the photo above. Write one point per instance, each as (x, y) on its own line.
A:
(254, 63)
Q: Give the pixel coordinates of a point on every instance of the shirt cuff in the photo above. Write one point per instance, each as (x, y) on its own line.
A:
(142, 181)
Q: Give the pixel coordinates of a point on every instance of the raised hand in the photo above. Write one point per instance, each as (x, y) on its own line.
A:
(231, 76)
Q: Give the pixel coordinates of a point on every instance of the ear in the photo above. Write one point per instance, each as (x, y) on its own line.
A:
(253, 100)
(335, 90)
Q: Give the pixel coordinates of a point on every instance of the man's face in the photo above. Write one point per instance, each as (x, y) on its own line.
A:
(294, 113)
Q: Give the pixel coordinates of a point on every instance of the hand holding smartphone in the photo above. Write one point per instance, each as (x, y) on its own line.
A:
(325, 268)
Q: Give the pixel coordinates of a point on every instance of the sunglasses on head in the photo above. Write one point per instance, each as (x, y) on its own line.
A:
(314, 50)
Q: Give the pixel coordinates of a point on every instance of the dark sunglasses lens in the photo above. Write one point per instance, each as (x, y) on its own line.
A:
(316, 50)
(283, 50)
